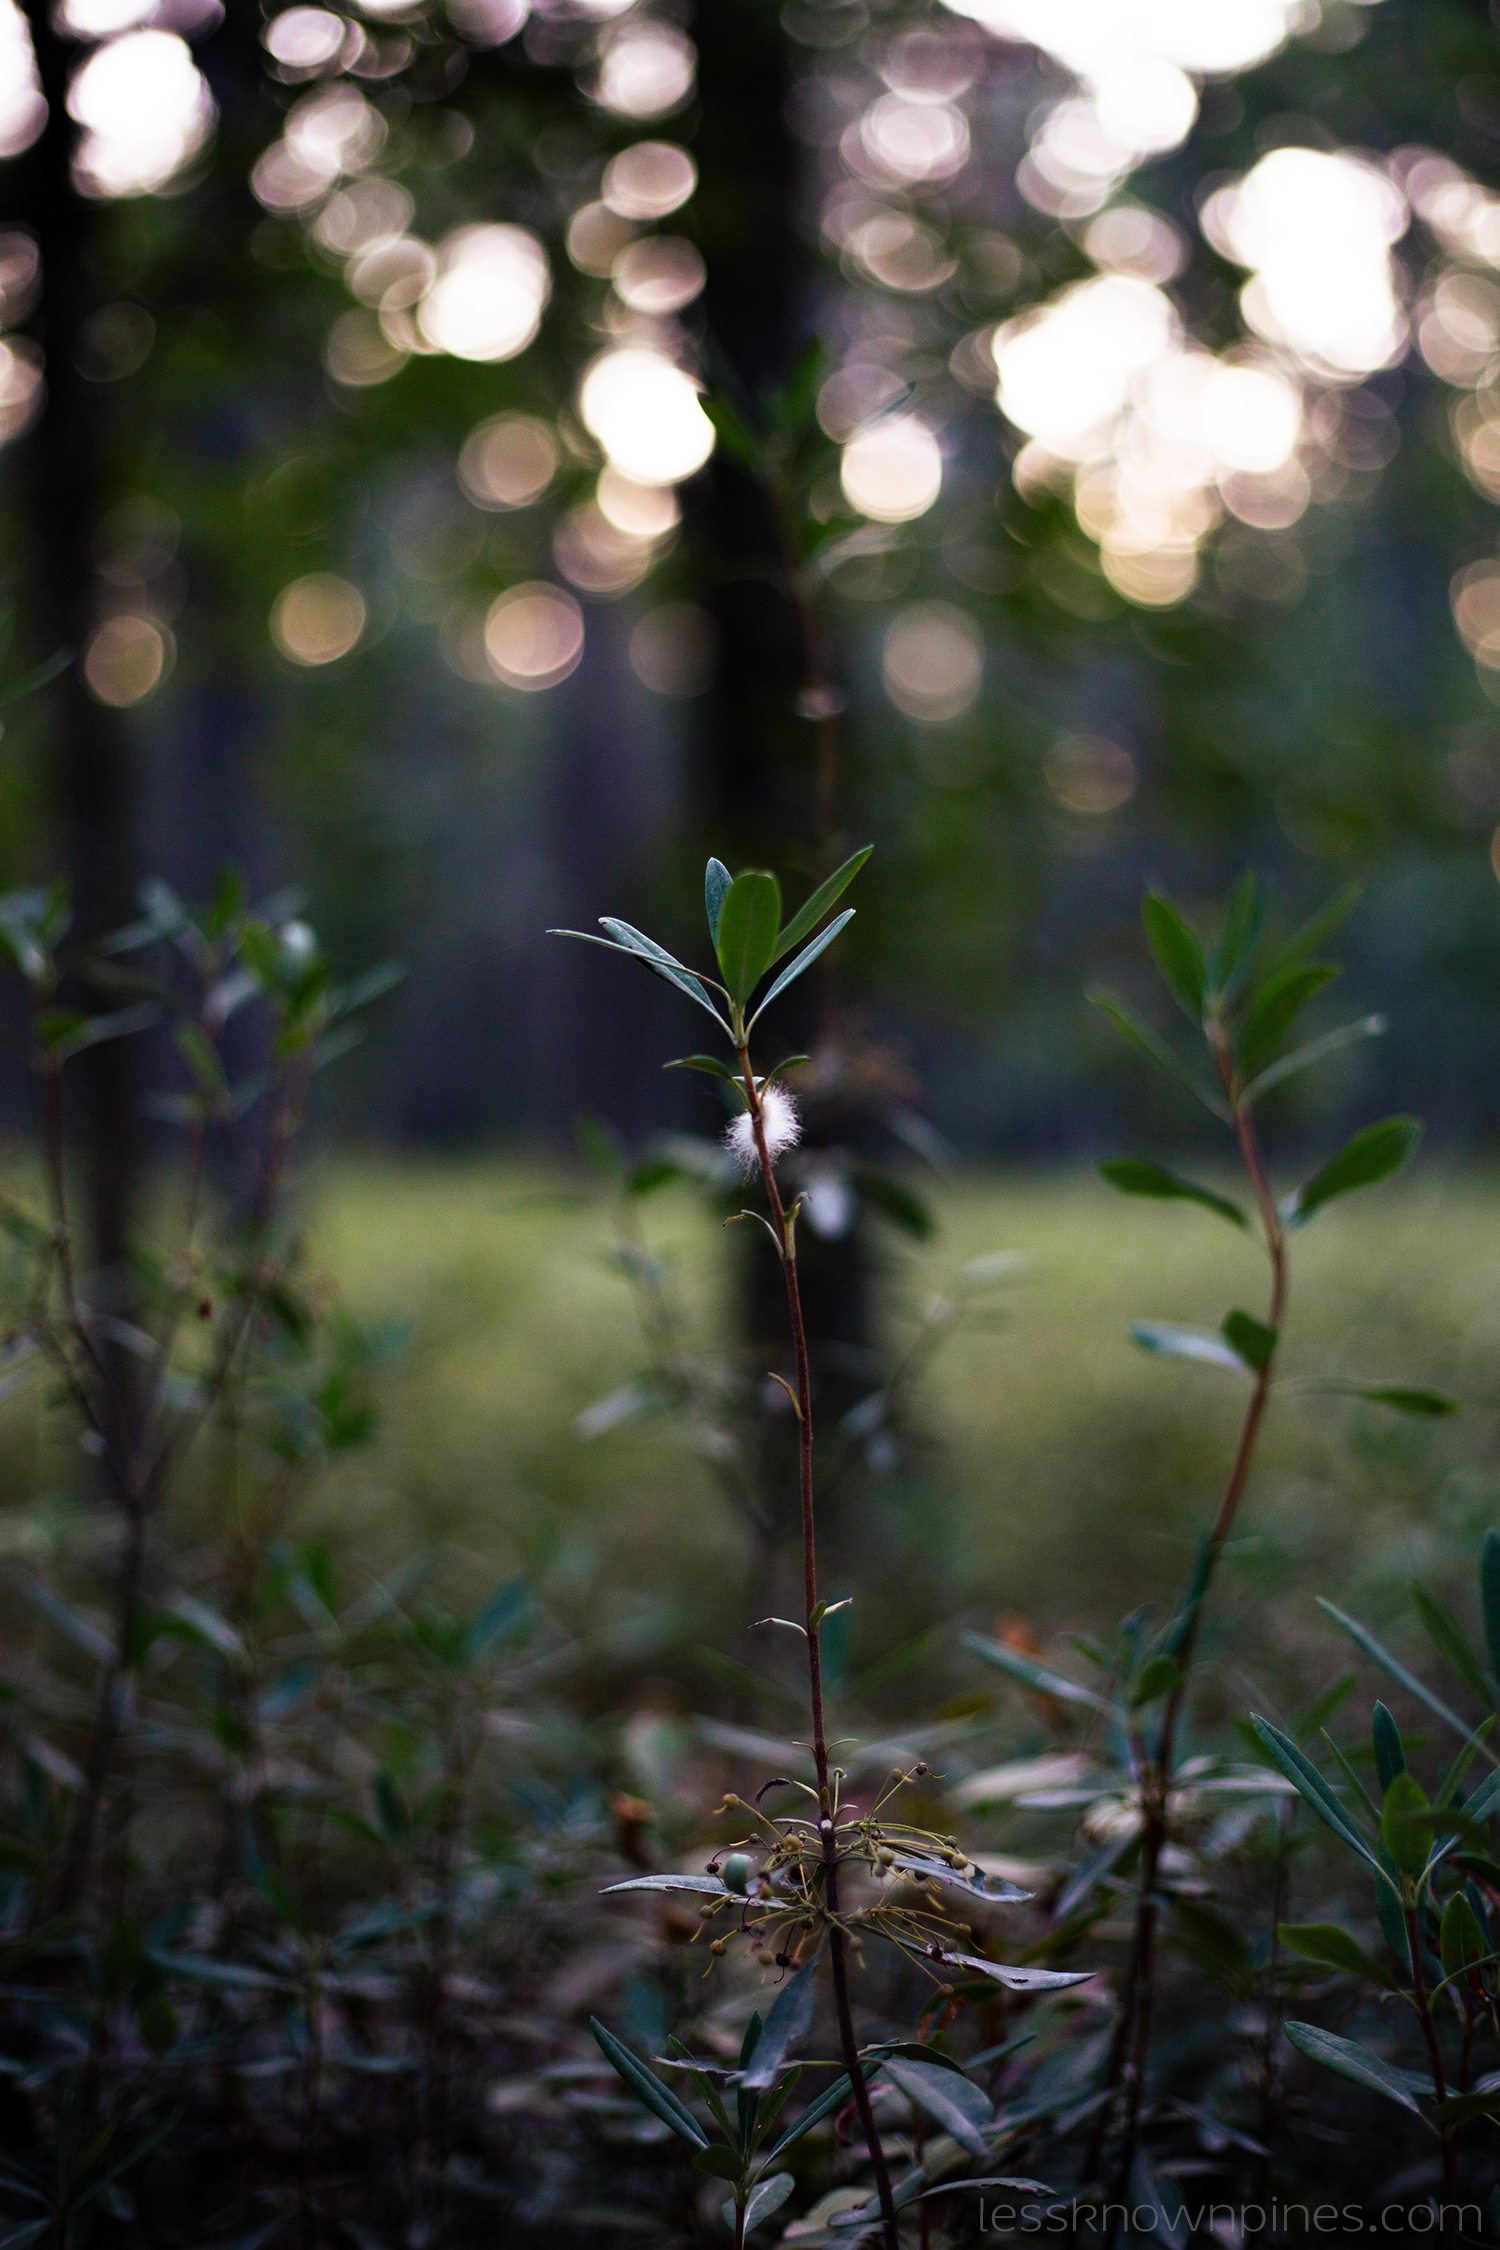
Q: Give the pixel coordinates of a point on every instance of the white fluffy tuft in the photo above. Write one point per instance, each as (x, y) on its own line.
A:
(783, 1129)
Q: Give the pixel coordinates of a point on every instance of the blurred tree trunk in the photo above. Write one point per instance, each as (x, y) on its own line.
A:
(93, 791)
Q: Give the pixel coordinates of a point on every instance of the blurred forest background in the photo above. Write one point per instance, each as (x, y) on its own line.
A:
(399, 569)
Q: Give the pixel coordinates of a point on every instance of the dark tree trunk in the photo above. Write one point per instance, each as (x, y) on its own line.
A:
(92, 782)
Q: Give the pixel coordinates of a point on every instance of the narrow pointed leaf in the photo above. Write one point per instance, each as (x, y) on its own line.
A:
(1489, 1596)
(1177, 954)
(1363, 1638)
(1403, 1398)
(1276, 1008)
(1332, 1948)
(767, 2196)
(746, 940)
(1319, 927)
(805, 959)
(1187, 1343)
(790, 2019)
(647, 2087)
(1316, 1050)
(832, 2097)
(1155, 1049)
(670, 971)
(959, 2106)
(1039, 1677)
(810, 914)
(710, 1885)
(710, 1065)
(1390, 1757)
(1232, 956)
(1404, 1829)
(1349, 2061)
(716, 882)
(1311, 1785)
(1135, 1176)
(1373, 1154)
(1448, 1638)
(1013, 1977)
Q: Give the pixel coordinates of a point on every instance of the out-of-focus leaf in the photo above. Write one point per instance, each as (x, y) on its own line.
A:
(710, 1065)
(1186, 1343)
(506, 1611)
(1320, 926)
(1489, 1596)
(1135, 1176)
(1276, 1008)
(1251, 1339)
(1363, 1638)
(1373, 1154)
(1352, 2062)
(1403, 1398)
(893, 1200)
(1039, 1677)
(1332, 1948)
(1449, 1639)
(1156, 1050)
(1405, 1830)
(1159, 1677)
(959, 2106)
(661, 964)
(1316, 1050)
(1177, 954)
(1230, 961)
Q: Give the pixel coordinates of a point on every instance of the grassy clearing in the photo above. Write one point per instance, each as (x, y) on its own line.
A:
(1068, 1469)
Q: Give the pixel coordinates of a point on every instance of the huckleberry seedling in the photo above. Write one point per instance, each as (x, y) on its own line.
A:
(788, 1897)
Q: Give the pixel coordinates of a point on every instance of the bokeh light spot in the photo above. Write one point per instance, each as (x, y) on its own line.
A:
(932, 661)
(533, 636)
(317, 619)
(892, 471)
(125, 659)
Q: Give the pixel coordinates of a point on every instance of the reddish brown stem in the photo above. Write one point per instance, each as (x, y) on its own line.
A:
(787, 1244)
(1130, 2050)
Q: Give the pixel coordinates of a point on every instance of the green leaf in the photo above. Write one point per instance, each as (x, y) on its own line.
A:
(893, 1200)
(1390, 1757)
(1461, 1940)
(1156, 1050)
(1402, 1397)
(805, 959)
(1316, 1050)
(809, 915)
(709, 1885)
(716, 882)
(1320, 926)
(1039, 1677)
(1332, 1948)
(1352, 2062)
(1489, 1596)
(1305, 1777)
(660, 964)
(1459, 2108)
(1275, 1009)
(720, 2164)
(1404, 1830)
(1363, 1638)
(1251, 1339)
(767, 2196)
(790, 2019)
(1135, 1176)
(710, 1065)
(1177, 954)
(959, 2106)
(1160, 1677)
(746, 941)
(1229, 963)
(647, 2087)
(832, 2097)
(503, 1615)
(1373, 1154)
(733, 437)
(1448, 1638)
(1186, 1343)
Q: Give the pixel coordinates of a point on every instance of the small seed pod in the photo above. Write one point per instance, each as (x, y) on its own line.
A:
(709, 1908)
(737, 1873)
(920, 1766)
(719, 1947)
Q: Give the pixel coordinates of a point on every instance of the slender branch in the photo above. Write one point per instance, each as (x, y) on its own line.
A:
(1439, 2078)
(1130, 2049)
(786, 1238)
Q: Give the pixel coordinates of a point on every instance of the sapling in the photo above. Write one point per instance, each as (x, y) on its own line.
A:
(1242, 995)
(783, 1888)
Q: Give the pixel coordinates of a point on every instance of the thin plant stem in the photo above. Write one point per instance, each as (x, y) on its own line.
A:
(1439, 2079)
(1130, 2049)
(787, 1243)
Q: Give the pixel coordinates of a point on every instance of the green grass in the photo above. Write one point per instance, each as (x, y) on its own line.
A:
(1066, 1471)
